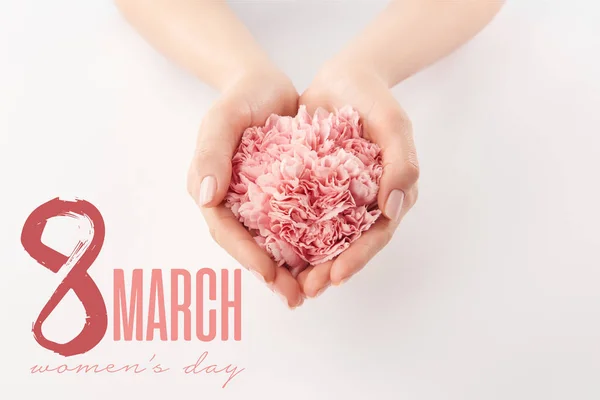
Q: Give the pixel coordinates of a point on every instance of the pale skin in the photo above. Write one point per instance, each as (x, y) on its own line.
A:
(207, 39)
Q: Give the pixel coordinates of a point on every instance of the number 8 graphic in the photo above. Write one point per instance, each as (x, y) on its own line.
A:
(77, 279)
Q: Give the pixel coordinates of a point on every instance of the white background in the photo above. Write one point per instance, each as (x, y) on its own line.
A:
(489, 290)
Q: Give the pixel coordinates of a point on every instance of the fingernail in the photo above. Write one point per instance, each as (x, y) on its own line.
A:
(393, 207)
(283, 298)
(208, 187)
(258, 276)
(320, 292)
(299, 303)
(340, 283)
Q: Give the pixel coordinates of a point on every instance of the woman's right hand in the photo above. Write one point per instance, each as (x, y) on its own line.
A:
(248, 101)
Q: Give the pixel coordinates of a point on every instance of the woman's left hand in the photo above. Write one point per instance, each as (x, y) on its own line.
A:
(385, 123)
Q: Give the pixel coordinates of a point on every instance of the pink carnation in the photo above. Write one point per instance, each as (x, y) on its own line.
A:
(306, 187)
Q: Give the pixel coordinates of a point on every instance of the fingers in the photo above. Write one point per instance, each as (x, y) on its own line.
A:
(287, 287)
(388, 126)
(301, 278)
(221, 129)
(317, 279)
(227, 231)
(248, 104)
(355, 257)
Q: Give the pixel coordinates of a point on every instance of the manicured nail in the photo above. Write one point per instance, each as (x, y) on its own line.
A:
(393, 207)
(299, 303)
(208, 187)
(340, 283)
(258, 276)
(283, 298)
(320, 292)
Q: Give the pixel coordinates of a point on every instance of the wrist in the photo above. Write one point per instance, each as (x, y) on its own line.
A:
(341, 69)
(369, 59)
(258, 67)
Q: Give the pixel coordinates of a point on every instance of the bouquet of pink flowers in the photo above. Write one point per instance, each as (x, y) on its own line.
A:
(306, 187)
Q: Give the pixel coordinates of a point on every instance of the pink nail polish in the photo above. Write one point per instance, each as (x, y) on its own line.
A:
(393, 206)
(208, 188)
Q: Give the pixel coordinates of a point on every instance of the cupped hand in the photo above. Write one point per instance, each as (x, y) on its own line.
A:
(385, 123)
(248, 101)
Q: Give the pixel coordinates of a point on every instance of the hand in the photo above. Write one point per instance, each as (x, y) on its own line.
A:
(385, 123)
(248, 101)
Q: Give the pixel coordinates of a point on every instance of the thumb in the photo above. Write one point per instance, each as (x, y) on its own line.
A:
(218, 138)
(391, 129)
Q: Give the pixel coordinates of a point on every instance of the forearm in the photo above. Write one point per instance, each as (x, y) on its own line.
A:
(202, 36)
(409, 35)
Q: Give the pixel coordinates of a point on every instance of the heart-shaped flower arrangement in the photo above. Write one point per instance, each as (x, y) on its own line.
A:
(306, 187)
